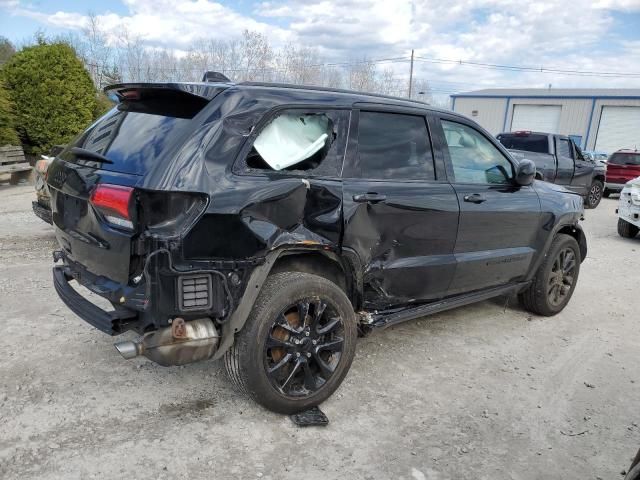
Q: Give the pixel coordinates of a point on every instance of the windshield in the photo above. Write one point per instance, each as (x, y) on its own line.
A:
(625, 159)
(528, 143)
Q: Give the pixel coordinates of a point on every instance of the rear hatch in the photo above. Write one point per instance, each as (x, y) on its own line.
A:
(622, 167)
(92, 182)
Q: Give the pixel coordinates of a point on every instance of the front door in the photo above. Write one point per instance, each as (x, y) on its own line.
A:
(564, 154)
(399, 218)
(583, 173)
(499, 220)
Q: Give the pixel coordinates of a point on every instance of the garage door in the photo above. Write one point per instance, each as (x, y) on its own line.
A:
(537, 118)
(619, 128)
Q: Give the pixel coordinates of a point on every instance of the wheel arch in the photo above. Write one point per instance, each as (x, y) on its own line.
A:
(323, 263)
(572, 229)
(329, 265)
(576, 232)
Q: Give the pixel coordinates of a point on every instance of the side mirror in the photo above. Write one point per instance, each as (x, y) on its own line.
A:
(525, 172)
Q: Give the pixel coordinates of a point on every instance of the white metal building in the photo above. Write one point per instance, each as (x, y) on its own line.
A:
(597, 119)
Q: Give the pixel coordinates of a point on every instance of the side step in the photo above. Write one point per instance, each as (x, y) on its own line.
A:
(384, 320)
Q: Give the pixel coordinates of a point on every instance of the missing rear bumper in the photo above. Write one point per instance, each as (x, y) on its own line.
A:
(111, 323)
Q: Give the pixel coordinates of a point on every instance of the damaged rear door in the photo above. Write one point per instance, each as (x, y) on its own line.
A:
(400, 213)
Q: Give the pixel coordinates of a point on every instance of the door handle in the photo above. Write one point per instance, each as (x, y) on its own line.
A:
(369, 197)
(474, 198)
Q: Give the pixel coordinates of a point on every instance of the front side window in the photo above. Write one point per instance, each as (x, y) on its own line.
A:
(565, 154)
(564, 148)
(393, 146)
(473, 157)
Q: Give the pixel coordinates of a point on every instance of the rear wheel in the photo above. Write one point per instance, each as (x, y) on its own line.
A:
(606, 192)
(297, 345)
(626, 229)
(595, 194)
(556, 279)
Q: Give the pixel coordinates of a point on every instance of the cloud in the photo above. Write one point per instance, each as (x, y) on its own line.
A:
(542, 33)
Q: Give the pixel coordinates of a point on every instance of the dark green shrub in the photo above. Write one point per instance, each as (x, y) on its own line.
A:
(103, 105)
(8, 134)
(53, 95)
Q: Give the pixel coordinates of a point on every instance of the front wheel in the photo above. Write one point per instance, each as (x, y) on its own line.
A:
(297, 345)
(556, 278)
(626, 229)
(595, 194)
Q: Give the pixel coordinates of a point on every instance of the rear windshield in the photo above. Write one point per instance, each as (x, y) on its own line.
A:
(528, 143)
(133, 135)
(625, 159)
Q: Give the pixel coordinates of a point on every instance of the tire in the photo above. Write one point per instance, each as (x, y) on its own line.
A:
(606, 193)
(550, 290)
(304, 374)
(595, 194)
(626, 229)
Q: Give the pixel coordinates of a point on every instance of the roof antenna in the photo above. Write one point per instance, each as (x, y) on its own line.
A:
(210, 76)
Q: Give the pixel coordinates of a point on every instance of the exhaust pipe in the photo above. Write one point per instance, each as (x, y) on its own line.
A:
(182, 343)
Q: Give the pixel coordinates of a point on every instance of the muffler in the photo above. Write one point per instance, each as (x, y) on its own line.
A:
(182, 343)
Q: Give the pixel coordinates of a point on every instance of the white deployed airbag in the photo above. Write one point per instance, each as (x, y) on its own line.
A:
(290, 139)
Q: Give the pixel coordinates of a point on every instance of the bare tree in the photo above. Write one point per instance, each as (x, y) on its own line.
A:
(126, 57)
(421, 90)
(94, 50)
(362, 76)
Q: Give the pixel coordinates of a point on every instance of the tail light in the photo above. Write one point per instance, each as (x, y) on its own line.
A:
(171, 213)
(114, 203)
(42, 167)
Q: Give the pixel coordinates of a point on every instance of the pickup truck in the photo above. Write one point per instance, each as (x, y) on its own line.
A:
(558, 160)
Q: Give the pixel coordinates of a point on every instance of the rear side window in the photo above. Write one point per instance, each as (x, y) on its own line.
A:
(134, 134)
(625, 159)
(392, 145)
(298, 141)
(528, 143)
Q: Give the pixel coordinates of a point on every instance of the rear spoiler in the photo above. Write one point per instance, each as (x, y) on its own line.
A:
(132, 91)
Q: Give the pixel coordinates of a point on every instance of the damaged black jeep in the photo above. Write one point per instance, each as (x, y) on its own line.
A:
(271, 224)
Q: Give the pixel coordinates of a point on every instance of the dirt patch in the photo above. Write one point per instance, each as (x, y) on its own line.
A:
(479, 392)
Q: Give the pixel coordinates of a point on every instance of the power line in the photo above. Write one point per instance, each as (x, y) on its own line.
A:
(522, 68)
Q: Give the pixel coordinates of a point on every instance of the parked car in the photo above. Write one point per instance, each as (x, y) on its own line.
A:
(42, 205)
(558, 160)
(599, 158)
(629, 209)
(269, 224)
(622, 166)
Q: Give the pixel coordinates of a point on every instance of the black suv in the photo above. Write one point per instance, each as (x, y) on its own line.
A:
(272, 224)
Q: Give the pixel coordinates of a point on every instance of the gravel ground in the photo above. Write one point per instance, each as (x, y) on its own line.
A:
(482, 392)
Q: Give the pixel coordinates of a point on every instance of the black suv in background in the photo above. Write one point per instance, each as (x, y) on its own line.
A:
(270, 224)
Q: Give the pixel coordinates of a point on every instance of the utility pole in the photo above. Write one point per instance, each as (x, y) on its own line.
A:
(411, 74)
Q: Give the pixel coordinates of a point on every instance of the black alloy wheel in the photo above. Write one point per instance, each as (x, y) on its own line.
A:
(556, 278)
(562, 276)
(595, 194)
(297, 344)
(304, 347)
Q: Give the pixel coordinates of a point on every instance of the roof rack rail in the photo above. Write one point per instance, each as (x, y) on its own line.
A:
(330, 89)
